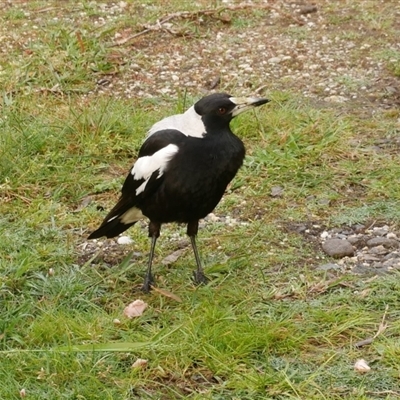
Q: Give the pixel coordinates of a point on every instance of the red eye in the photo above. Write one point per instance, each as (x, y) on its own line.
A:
(221, 110)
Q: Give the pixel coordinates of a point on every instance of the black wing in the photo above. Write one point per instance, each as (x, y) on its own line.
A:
(142, 181)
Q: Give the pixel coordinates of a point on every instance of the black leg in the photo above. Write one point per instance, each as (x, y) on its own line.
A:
(198, 275)
(154, 233)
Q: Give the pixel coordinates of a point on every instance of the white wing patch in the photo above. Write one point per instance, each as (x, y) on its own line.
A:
(189, 123)
(145, 166)
(131, 216)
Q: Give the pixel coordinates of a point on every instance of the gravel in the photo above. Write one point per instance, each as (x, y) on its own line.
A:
(111, 252)
(335, 53)
(371, 250)
(329, 61)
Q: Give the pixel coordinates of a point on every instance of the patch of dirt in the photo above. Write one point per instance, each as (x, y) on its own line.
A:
(195, 380)
(105, 252)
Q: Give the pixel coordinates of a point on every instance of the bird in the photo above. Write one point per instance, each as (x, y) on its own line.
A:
(182, 171)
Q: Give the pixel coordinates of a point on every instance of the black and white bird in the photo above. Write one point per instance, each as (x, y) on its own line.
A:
(182, 171)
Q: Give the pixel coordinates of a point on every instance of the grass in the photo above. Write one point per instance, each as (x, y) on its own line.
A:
(268, 326)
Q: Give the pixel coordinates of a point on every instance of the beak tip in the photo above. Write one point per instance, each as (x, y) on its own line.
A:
(260, 102)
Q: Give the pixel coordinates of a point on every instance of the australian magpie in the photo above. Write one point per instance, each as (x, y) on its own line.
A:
(182, 171)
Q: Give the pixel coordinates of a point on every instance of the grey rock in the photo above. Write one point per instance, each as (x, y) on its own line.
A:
(357, 240)
(368, 257)
(395, 255)
(382, 241)
(276, 191)
(301, 228)
(380, 231)
(338, 248)
(358, 227)
(379, 250)
(392, 263)
(308, 9)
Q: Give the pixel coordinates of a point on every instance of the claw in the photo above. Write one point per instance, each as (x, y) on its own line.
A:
(147, 283)
(199, 278)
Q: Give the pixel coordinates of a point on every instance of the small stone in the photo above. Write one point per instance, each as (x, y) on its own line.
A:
(135, 309)
(308, 9)
(338, 248)
(380, 231)
(275, 60)
(391, 255)
(140, 363)
(301, 228)
(276, 191)
(390, 263)
(212, 217)
(124, 240)
(361, 366)
(325, 235)
(336, 99)
(382, 241)
(358, 227)
(369, 257)
(356, 240)
(380, 250)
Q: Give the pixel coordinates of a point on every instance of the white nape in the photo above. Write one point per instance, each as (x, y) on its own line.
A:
(189, 123)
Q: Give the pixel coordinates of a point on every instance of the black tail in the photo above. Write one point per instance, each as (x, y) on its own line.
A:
(112, 224)
(110, 229)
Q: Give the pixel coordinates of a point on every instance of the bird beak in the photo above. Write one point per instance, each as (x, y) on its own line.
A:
(246, 103)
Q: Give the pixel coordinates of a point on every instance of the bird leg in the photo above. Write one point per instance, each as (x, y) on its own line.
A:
(154, 233)
(198, 275)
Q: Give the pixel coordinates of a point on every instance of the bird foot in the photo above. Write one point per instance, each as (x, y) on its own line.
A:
(147, 283)
(199, 278)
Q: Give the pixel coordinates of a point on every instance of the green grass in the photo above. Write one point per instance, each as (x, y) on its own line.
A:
(269, 325)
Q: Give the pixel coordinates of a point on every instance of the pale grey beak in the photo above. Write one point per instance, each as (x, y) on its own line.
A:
(246, 103)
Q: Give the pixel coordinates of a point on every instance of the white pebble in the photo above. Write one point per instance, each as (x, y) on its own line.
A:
(361, 366)
(140, 363)
(212, 217)
(324, 235)
(124, 240)
(275, 60)
(336, 99)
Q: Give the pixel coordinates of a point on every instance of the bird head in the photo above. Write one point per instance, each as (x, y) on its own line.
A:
(224, 107)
